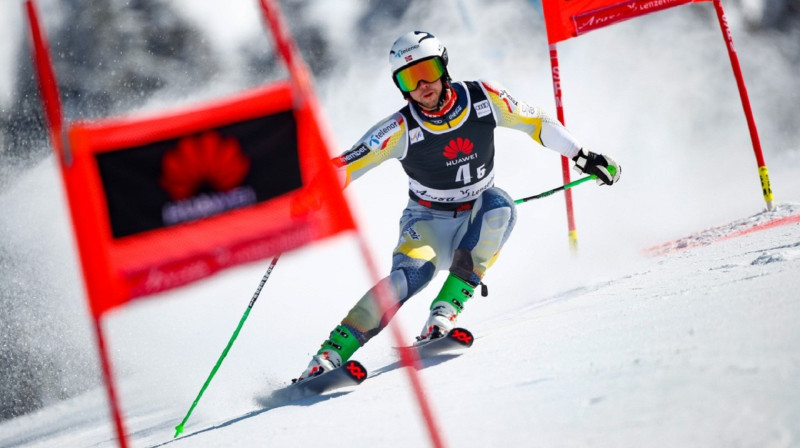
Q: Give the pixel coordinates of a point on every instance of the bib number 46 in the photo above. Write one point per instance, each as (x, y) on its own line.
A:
(464, 173)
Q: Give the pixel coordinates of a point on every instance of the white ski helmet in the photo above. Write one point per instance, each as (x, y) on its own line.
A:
(414, 47)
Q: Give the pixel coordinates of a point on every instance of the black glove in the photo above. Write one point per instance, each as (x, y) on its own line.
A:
(604, 167)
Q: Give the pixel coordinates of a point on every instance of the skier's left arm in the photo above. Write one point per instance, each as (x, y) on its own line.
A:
(548, 132)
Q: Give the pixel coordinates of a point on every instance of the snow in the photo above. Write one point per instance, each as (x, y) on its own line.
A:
(692, 344)
(695, 348)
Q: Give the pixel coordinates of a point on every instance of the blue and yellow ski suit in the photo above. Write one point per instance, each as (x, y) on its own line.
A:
(456, 218)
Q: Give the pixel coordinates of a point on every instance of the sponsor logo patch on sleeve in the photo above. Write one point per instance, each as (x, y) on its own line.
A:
(510, 101)
(381, 135)
(353, 154)
(528, 111)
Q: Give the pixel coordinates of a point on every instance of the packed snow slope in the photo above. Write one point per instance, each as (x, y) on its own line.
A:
(694, 348)
(695, 344)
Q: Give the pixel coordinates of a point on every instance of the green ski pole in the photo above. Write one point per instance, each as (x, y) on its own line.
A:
(556, 190)
(179, 428)
(611, 169)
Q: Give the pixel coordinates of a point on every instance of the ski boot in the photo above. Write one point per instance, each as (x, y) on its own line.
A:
(446, 307)
(334, 351)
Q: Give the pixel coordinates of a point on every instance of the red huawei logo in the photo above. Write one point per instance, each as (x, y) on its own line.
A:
(203, 160)
(459, 145)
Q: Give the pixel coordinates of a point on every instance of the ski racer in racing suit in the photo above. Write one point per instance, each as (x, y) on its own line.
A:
(456, 218)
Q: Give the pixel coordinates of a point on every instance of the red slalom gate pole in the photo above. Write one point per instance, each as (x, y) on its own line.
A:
(408, 358)
(573, 232)
(299, 74)
(51, 100)
(108, 377)
(48, 86)
(766, 189)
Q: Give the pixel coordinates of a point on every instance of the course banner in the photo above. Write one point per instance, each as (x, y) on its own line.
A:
(162, 201)
(566, 19)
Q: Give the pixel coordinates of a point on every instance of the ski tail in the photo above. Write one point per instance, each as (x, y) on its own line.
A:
(351, 373)
(456, 339)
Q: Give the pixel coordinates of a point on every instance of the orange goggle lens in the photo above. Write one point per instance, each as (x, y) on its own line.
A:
(428, 70)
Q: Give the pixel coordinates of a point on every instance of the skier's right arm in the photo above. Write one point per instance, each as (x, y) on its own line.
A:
(386, 140)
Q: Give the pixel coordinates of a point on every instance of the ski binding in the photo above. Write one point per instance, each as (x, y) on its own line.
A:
(455, 339)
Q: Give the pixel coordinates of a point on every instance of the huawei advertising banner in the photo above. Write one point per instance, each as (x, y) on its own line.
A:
(163, 201)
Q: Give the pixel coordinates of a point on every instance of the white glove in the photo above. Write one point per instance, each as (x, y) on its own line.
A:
(604, 167)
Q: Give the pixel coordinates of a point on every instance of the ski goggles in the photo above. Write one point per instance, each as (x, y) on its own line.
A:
(428, 70)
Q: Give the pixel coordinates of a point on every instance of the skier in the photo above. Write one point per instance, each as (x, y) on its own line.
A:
(456, 218)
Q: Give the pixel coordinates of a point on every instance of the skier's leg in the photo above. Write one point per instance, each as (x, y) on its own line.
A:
(367, 318)
(445, 307)
(414, 263)
(491, 221)
(490, 225)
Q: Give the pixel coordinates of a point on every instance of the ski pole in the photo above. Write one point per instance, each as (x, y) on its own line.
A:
(179, 428)
(611, 170)
(556, 190)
